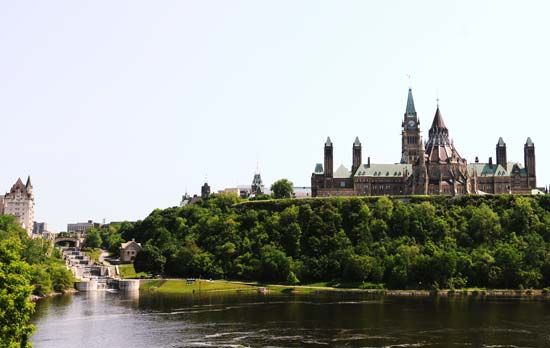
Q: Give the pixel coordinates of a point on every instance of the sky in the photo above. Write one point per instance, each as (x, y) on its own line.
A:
(116, 108)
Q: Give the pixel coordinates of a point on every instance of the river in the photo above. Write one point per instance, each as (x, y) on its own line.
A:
(105, 320)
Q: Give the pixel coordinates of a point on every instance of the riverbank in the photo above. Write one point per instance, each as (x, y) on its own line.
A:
(70, 291)
(182, 286)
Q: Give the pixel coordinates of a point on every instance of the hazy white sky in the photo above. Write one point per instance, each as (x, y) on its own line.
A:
(117, 107)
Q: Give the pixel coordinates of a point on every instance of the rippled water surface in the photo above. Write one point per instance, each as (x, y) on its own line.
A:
(253, 320)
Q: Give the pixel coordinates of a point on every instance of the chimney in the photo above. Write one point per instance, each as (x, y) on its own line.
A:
(368, 162)
(477, 159)
(491, 161)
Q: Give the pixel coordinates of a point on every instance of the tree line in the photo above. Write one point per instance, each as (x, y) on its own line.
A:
(398, 243)
(27, 266)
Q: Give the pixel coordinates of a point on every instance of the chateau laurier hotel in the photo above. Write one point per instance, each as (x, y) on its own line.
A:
(427, 168)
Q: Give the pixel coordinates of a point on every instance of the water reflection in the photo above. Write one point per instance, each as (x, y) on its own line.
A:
(233, 320)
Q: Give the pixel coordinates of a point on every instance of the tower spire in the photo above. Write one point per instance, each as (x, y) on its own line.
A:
(29, 184)
(410, 110)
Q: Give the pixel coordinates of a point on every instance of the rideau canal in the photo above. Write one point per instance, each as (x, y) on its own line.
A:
(103, 319)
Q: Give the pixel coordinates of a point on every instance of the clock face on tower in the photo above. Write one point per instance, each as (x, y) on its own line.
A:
(411, 123)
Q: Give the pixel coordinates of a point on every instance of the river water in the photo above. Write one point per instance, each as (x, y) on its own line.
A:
(253, 320)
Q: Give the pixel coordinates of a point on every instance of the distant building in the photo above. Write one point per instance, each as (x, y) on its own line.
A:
(302, 192)
(19, 202)
(187, 199)
(82, 227)
(257, 187)
(231, 191)
(434, 167)
(39, 227)
(129, 251)
(205, 191)
(246, 191)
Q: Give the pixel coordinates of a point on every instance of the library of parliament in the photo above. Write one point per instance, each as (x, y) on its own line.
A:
(434, 167)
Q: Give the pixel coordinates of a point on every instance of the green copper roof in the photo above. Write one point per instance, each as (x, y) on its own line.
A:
(385, 170)
(328, 142)
(410, 104)
(516, 168)
(501, 142)
(357, 142)
(319, 168)
(485, 169)
(529, 142)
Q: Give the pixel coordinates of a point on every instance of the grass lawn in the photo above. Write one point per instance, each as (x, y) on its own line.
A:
(128, 271)
(93, 254)
(180, 286)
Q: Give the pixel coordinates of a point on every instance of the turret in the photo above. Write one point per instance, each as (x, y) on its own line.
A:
(28, 185)
(422, 153)
(205, 191)
(501, 153)
(529, 159)
(357, 156)
(328, 158)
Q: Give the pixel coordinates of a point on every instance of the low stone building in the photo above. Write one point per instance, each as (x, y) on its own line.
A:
(129, 251)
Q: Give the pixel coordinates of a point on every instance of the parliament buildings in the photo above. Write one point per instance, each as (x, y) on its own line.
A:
(433, 167)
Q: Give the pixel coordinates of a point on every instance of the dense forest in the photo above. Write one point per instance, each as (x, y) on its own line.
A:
(398, 243)
(27, 266)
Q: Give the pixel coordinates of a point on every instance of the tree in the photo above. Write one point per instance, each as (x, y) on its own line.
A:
(418, 242)
(275, 264)
(62, 278)
(484, 224)
(282, 188)
(15, 291)
(150, 259)
(359, 268)
(93, 239)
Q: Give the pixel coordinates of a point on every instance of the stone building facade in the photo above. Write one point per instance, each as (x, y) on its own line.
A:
(82, 227)
(129, 251)
(19, 202)
(434, 167)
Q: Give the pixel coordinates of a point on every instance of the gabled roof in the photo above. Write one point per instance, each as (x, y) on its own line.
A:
(19, 183)
(485, 169)
(19, 187)
(342, 172)
(127, 244)
(516, 168)
(385, 170)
